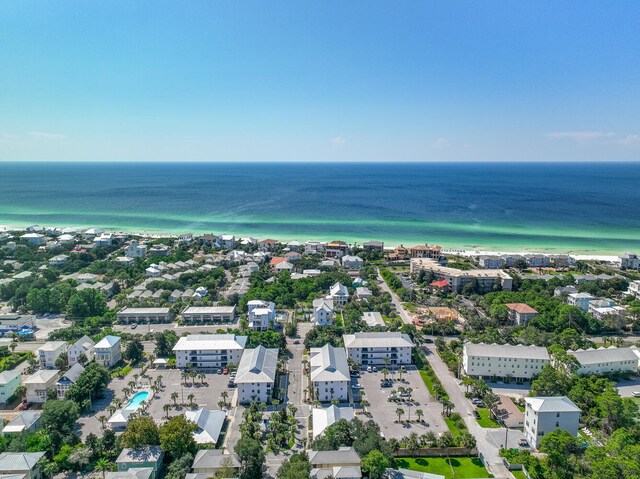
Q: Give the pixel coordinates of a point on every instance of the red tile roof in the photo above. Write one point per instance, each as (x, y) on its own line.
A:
(521, 308)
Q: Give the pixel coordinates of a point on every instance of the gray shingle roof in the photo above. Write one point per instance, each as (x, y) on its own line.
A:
(506, 351)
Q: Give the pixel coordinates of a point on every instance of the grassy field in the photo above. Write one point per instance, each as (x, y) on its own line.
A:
(427, 382)
(485, 418)
(453, 427)
(451, 468)
(518, 474)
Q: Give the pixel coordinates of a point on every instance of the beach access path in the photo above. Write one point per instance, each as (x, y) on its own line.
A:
(462, 405)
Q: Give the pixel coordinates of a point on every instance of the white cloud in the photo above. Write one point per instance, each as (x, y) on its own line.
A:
(441, 143)
(630, 140)
(338, 141)
(581, 135)
(44, 135)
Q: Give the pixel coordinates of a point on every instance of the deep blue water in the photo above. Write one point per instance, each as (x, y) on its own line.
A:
(552, 206)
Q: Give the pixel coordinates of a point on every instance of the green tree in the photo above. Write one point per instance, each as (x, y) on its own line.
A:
(374, 464)
(141, 431)
(296, 467)
(60, 416)
(176, 437)
(104, 465)
(179, 467)
(134, 350)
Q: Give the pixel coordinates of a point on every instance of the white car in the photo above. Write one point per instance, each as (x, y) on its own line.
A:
(636, 394)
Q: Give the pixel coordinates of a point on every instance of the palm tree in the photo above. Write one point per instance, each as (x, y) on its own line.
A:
(202, 377)
(224, 395)
(13, 346)
(166, 408)
(21, 391)
(117, 402)
(447, 406)
(419, 413)
(384, 372)
(136, 376)
(111, 408)
(191, 397)
(102, 420)
(103, 465)
(399, 412)
(174, 398)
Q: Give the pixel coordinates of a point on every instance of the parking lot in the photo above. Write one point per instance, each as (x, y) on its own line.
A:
(384, 412)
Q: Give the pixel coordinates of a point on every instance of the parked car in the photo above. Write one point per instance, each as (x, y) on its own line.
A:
(219, 371)
(375, 369)
(523, 442)
(296, 341)
(476, 414)
(358, 386)
(392, 397)
(231, 384)
(385, 384)
(369, 369)
(428, 340)
(134, 325)
(636, 394)
(225, 371)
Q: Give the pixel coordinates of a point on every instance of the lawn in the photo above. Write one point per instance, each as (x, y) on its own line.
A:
(427, 381)
(485, 418)
(451, 468)
(518, 474)
(453, 427)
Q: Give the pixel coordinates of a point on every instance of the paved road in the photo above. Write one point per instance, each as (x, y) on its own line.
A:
(461, 404)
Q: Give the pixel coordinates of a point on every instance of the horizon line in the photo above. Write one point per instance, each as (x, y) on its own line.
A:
(329, 161)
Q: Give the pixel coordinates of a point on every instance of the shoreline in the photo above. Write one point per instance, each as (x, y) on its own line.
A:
(448, 248)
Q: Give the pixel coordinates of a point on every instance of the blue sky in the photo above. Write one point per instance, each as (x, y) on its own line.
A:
(320, 81)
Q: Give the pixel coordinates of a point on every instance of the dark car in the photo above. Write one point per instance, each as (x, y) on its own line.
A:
(231, 384)
(428, 340)
(476, 414)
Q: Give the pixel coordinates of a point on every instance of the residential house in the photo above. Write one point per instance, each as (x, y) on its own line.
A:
(371, 349)
(336, 249)
(136, 250)
(38, 383)
(209, 314)
(456, 279)
(373, 318)
(580, 300)
(322, 418)
(24, 465)
(256, 374)
(633, 289)
(293, 256)
(227, 241)
(25, 421)
(363, 294)
(343, 464)
(68, 379)
(144, 315)
(283, 266)
(606, 360)
(294, 245)
(373, 246)
(261, 314)
(629, 261)
(314, 247)
(491, 262)
(546, 414)
(148, 456)
(85, 345)
(133, 473)
(9, 382)
(108, 351)
(268, 245)
(159, 250)
(323, 311)
(491, 361)
(211, 461)
(520, 313)
(352, 262)
(339, 293)
(49, 352)
(209, 350)
(210, 423)
(560, 290)
(105, 239)
(58, 260)
(330, 375)
(34, 238)
(425, 251)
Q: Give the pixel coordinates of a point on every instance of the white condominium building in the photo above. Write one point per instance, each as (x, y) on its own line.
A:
(373, 348)
(144, 315)
(489, 361)
(209, 314)
(486, 279)
(330, 373)
(209, 350)
(256, 374)
(546, 414)
(606, 360)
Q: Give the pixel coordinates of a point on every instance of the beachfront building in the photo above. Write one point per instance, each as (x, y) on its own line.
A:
(606, 360)
(14, 323)
(543, 415)
(629, 261)
(373, 318)
(256, 375)
(580, 300)
(21, 465)
(210, 423)
(209, 314)
(425, 251)
(485, 279)
(377, 246)
(336, 249)
(352, 262)
(261, 314)
(520, 313)
(267, 245)
(85, 345)
(144, 457)
(159, 250)
(39, 382)
(491, 262)
(371, 349)
(339, 293)
(330, 376)
(208, 462)
(343, 464)
(209, 350)
(227, 241)
(34, 238)
(136, 250)
(492, 361)
(68, 379)
(9, 382)
(49, 352)
(108, 351)
(314, 247)
(633, 289)
(144, 315)
(323, 417)
(323, 311)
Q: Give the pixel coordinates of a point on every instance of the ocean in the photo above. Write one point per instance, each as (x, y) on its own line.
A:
(569, 207)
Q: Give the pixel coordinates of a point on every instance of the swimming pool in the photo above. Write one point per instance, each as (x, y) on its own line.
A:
(136, 400)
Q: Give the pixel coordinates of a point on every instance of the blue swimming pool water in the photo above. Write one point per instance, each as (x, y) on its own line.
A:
(137, 399)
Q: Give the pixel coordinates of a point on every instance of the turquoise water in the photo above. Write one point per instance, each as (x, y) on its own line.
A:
(137, 399)
(578, 207)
